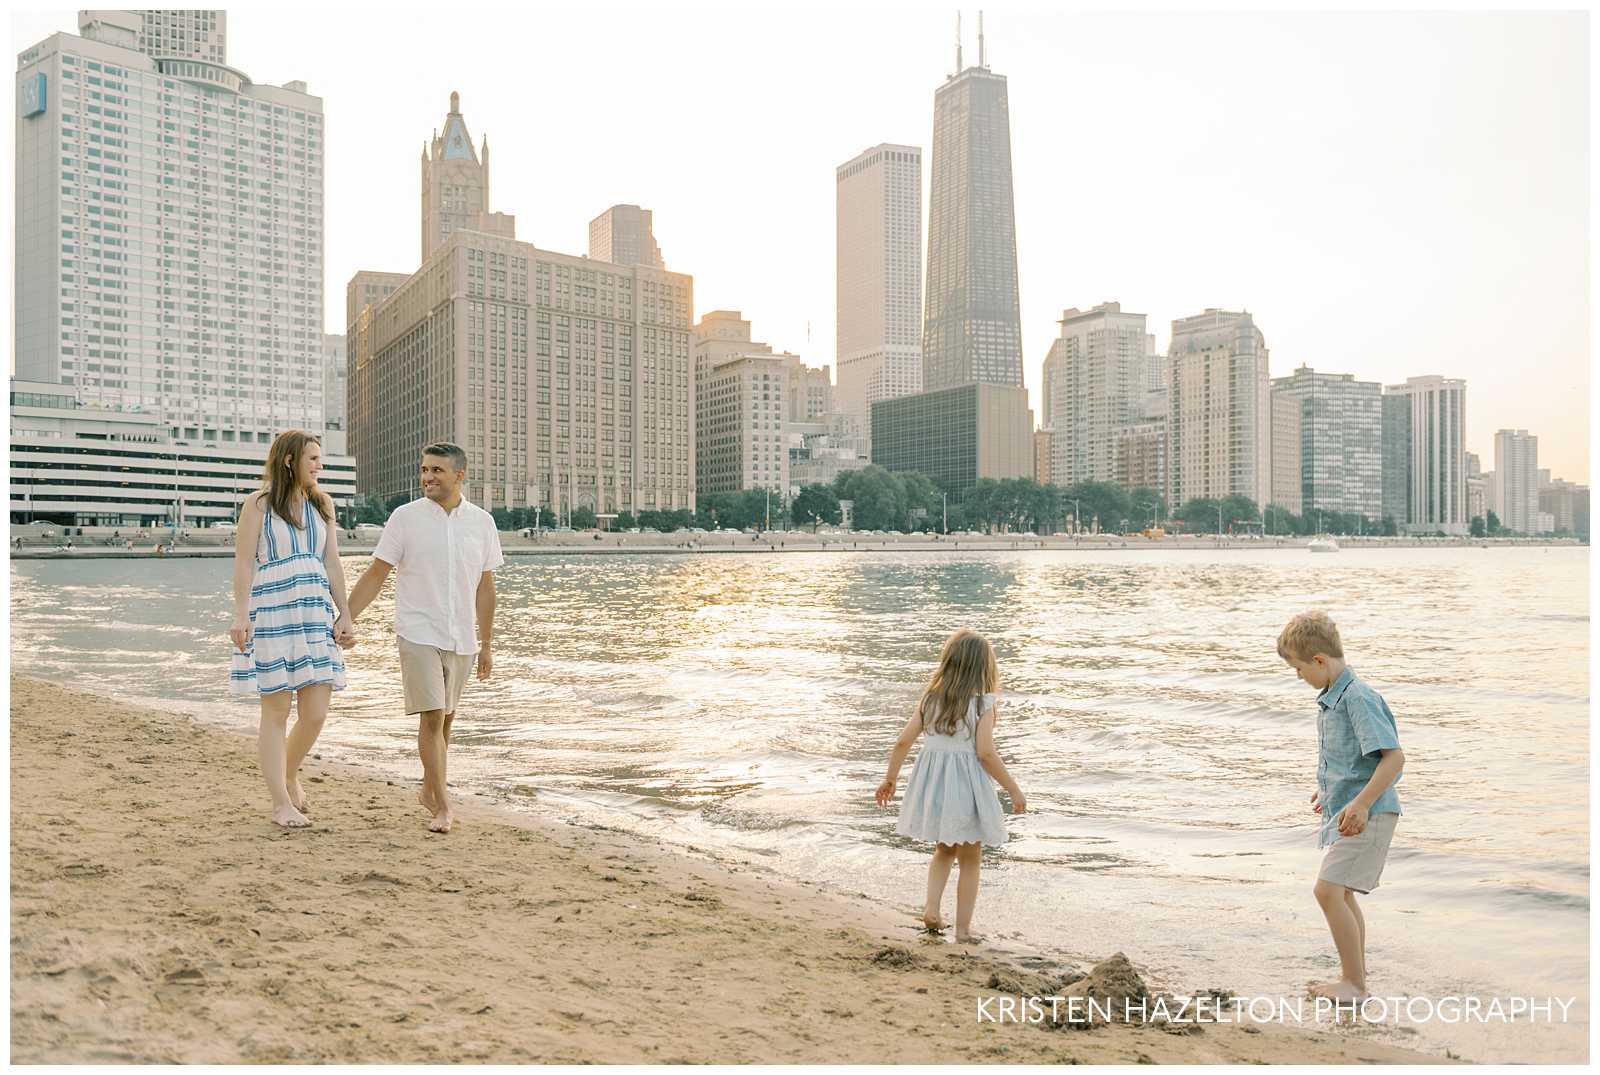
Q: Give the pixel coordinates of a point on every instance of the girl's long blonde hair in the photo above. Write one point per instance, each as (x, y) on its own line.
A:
(966, 669)
(280, 478)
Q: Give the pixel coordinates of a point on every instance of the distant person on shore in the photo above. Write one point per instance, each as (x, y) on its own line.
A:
(1359, 760)
(444, 551)
(950, 799)
(289, 614)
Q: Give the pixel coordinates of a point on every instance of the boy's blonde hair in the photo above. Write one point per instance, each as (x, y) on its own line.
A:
(966, 668)
(1309, 634)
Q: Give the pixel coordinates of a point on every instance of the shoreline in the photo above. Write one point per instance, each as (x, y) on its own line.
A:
(514, 546)
(159, 916)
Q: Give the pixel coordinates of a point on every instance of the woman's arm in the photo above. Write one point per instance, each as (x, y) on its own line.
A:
(245, 539)
(336, 583)
(989, 758)
(897, 758)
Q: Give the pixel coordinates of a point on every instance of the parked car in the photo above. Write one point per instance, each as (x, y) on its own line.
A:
(368, 528)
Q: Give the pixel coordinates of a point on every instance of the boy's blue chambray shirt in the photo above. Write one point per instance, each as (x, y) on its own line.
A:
(1354, 727)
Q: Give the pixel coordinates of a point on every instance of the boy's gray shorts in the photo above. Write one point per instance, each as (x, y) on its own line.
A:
(1356, 862)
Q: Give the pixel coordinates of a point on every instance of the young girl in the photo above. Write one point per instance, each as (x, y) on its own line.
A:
(949, 801)
(289, 614)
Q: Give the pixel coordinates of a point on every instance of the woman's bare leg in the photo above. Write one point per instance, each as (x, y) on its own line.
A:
(271, 749)
(312, 706)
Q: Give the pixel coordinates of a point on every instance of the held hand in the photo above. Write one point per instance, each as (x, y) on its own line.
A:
(1352, 820)
(1019, 803)
(884, 793)
(1316, 802)
(485, 663)
(241, 632)
(344, 632)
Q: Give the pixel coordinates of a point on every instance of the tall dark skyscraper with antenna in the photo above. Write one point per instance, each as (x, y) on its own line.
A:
(972, 327)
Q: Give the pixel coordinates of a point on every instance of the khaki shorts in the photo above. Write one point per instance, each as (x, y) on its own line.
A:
(433, 677)
(1356, 862)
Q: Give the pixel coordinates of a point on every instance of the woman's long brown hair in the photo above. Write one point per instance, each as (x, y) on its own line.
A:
(966, 669)
(280, 484)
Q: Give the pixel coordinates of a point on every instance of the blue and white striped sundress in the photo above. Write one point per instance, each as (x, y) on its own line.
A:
(291, 609)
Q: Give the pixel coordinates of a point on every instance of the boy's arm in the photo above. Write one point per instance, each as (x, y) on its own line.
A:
(897, 758)
(1353, 818)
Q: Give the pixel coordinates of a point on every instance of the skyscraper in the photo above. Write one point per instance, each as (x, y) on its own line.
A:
(1221, 430)
(624, 235)
(169, 219)
(879, 276)
(455, 185)
(1516, 480)
(972, 328)
(1433, 456)
(1341, 441)
(1097, 372)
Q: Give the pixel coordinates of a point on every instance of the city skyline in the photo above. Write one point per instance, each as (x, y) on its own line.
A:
(1399, 208)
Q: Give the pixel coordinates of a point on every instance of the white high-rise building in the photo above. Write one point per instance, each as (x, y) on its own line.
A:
(169, 229)
(879, 276)
(1516, 480)
(1098, 373)
(1221, 429)
(1435, 470)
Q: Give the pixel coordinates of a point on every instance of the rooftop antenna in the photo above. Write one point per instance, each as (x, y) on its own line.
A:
(958, 42)
(981, 62)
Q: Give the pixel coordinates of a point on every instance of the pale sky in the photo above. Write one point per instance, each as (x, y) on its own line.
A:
(1389, 194)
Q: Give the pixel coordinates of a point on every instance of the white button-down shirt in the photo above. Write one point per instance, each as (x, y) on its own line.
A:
(438, 559)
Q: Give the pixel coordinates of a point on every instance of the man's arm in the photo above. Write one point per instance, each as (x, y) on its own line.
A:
(368, 586)
(485, 623)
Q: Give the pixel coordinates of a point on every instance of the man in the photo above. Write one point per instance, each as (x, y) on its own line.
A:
(445, 550)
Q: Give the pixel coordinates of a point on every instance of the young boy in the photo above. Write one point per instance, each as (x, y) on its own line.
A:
(1358, 761)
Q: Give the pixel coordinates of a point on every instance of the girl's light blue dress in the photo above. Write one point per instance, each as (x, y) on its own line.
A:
(949, 798)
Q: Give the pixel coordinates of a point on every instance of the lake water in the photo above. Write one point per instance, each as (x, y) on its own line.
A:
(747, 703)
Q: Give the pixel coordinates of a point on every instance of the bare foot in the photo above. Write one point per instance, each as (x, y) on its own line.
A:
(932, 922)
(427, 801)
(1340, 990)
(969, 938)
(441, 822)
(297, 794)
(290, 818)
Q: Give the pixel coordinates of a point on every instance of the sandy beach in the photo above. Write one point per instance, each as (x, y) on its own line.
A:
(158, 916)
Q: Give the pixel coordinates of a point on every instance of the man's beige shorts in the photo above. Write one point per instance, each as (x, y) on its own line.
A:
(433, 677)
(1356, 862)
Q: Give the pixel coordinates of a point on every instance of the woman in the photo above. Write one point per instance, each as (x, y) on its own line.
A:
(289, 613)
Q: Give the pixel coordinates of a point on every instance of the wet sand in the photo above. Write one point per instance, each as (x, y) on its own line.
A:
(158, 916)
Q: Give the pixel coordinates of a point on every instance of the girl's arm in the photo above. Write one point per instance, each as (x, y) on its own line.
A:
(989, 758)
(244, 568)
(335, 568)
(897, 758)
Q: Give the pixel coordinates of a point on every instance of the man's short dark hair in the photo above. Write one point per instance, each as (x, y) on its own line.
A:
(445, 450)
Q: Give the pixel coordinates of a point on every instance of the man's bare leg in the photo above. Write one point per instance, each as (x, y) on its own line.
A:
(272, 753)
(430, 744)
(1349, 937)
(312, 706)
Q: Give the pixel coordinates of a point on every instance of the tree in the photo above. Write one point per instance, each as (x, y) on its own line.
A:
(1149, 506)
(398, 499)
(624, 521)
(582, 519)
(1476, 527)
(876, 495)
(1494, 523)
(816, 504)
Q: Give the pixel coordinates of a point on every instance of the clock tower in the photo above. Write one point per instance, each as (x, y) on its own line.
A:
(455, 185)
